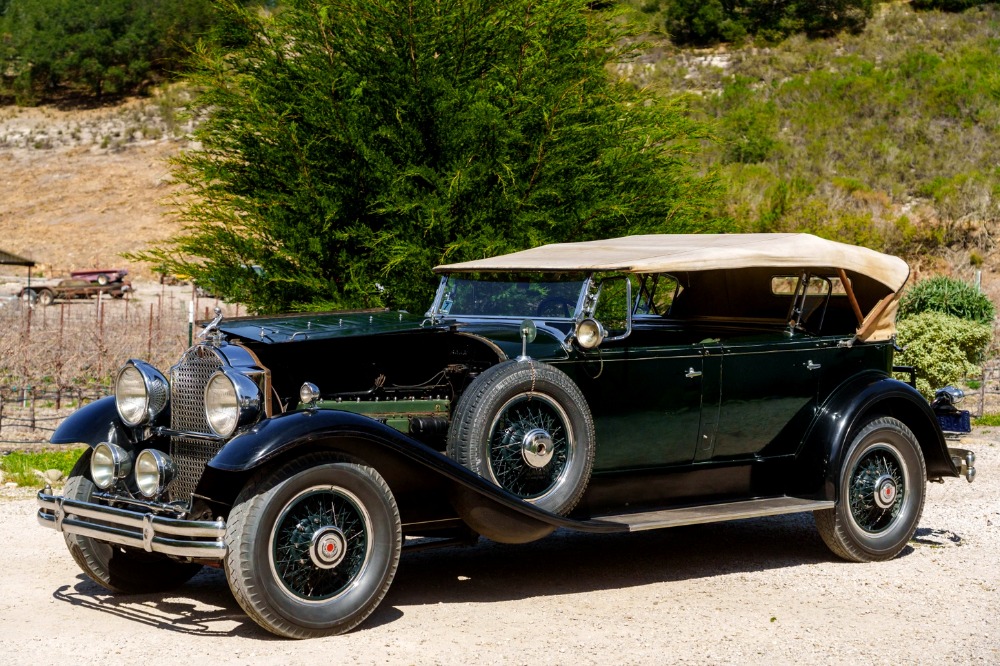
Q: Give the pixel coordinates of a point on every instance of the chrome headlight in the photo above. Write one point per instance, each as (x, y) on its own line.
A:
(154, 470)
(108, 463)
(140, 393)
(589, 333)
(231, 400)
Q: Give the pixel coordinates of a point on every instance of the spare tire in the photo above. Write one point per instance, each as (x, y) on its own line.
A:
(526, 427)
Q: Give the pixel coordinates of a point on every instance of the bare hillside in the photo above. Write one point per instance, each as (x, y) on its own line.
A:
(81, 187)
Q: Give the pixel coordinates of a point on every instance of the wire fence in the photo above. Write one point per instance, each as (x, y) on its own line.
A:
(54, 359)
(30, 414)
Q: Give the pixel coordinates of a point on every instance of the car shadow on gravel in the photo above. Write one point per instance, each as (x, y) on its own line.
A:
(201, 607)
(564, 563)
(572, 563)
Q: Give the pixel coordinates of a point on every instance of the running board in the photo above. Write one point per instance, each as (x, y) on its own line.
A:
(714, 513)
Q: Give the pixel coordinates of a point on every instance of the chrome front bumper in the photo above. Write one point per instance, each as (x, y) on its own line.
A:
(200, 539)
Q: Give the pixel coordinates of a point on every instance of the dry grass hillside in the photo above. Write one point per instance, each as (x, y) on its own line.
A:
(81, 187)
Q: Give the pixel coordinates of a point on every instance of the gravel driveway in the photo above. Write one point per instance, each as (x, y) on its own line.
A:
(755, 591)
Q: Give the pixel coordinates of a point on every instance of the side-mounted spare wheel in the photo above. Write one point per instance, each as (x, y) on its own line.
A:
(525, 426)
(119, 568)
(313, 546)
(880, 494)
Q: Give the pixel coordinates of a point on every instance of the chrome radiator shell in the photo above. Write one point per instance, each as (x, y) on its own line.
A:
(187, 408)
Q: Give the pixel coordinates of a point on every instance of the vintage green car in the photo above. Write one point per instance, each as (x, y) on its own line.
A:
(606, 386)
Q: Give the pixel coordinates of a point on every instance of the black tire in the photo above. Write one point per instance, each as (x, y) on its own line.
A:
(526, 427)
(103, 279)
(119, 569)
(46, 297)
(313, 546)
(880, 494)
(29, 296)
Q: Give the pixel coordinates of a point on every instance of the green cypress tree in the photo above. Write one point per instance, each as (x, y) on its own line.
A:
(350, 146)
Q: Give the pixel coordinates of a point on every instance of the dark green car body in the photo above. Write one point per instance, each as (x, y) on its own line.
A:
(520, 403)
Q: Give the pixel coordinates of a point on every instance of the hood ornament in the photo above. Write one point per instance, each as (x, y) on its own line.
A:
(210, 331)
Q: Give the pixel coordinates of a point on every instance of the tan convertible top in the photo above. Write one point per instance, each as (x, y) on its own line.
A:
(680, 253)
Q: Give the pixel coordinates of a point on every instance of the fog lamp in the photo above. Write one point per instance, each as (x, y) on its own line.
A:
(154, 470)
(108, 463)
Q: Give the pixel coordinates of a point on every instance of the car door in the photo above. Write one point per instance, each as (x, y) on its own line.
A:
(768, 389)
(651, 414)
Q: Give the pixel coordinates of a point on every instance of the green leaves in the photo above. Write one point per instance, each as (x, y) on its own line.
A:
(352, 147)
(948, 296)
(943, 348)
(97, 46)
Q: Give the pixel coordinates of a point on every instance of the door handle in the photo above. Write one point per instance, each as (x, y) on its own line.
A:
(692, 373)
(812, 366)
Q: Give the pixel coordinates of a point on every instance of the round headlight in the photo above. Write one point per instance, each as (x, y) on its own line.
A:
(131, 396)
(154, 470)
(108, 462)
(589, 333)
(222, 405)
(140, 393)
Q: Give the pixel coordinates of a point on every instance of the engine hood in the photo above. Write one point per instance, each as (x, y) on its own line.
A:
(503, 333)
(323, 325)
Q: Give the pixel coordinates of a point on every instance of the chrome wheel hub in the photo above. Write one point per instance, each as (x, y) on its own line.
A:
(885, 491)
(328, 547)
(537, 448)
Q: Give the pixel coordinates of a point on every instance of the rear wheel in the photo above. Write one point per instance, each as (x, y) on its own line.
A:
(46, 297)
(102, 279)
(881, 494)
(313, 546)
(120, 569)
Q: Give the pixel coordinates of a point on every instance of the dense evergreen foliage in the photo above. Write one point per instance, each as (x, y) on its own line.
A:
(95, 46)
(712, 21)
(350, 148)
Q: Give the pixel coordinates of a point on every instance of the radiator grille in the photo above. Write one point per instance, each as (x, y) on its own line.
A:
(187, 412)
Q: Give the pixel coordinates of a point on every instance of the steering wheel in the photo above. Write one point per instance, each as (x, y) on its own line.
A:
(553, 302)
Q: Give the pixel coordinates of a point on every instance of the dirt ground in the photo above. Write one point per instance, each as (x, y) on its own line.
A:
(756, 591)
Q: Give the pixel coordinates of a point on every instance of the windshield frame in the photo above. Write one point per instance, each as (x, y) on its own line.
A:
(585, 300)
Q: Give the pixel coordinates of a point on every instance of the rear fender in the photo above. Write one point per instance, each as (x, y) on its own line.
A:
(852, 405)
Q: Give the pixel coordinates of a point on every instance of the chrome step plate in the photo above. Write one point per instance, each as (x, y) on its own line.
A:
(714, 513)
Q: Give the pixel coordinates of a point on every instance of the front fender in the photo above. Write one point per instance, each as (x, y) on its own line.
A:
(92, 424)
(852, 405)
(404, 462)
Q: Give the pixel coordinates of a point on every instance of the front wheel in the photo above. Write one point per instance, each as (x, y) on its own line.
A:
(313, 546)
(118, 568)
(881, 494)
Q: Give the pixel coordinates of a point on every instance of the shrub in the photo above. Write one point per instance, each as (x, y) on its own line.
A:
(948, 296)
(943, 348)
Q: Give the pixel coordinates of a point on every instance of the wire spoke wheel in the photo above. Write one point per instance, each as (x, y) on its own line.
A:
(880, 493)
(520, 428)
(312, 545)
(877, 490)
(526, 427)
(320, 543)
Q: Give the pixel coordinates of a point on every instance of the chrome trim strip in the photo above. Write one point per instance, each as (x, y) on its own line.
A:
(203, 539)
(170, 432)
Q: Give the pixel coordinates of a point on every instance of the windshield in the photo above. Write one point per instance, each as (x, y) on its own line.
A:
(505, 295)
